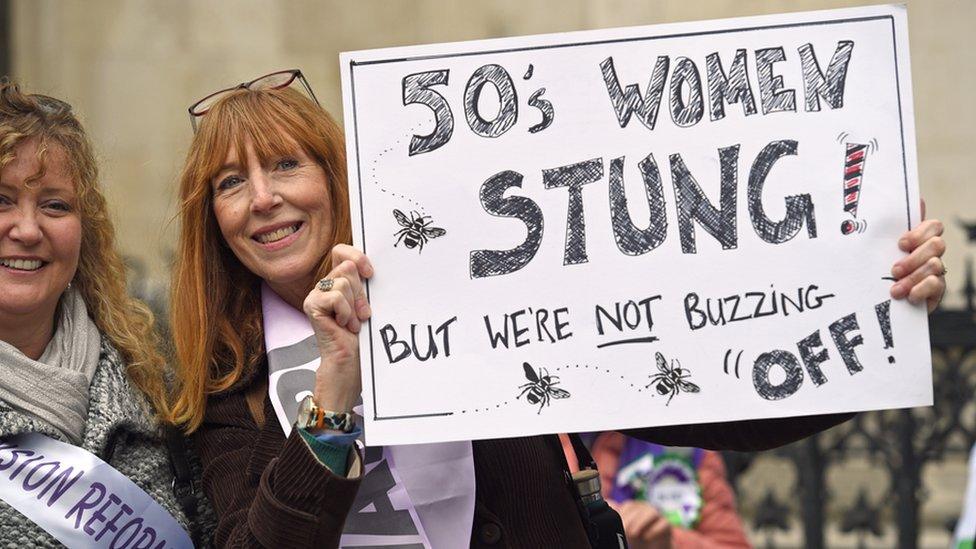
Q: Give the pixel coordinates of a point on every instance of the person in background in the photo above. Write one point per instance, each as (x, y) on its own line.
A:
(78, 356)
(668, 497)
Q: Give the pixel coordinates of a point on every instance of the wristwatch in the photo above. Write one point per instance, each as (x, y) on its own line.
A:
(312, 417)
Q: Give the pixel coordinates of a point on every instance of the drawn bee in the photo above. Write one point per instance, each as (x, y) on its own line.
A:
(416, 231)
(542, 387)
(672, 378)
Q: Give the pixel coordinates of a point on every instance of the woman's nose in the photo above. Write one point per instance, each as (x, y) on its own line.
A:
(26, 229)
(265, 197)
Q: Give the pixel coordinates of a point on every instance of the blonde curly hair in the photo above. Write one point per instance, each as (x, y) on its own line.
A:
(101, 276)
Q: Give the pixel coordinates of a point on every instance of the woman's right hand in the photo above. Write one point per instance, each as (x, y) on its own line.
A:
(337, 316)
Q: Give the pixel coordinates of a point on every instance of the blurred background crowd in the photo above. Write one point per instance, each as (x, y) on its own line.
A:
(130, 68)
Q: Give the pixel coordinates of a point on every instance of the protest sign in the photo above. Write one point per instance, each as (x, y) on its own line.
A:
(644, 226)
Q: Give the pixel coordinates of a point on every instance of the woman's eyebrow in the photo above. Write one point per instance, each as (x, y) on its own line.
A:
(227, 167)
(55, 189)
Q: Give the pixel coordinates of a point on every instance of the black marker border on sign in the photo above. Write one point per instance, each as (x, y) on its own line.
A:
(359, 182)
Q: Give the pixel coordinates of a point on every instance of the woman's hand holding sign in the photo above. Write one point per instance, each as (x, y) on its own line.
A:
(337, 307)
(921, 275)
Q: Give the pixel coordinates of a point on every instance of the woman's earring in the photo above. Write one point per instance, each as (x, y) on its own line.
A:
(69, 285)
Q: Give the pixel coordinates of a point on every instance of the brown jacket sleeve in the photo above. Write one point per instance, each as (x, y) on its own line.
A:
(268, 491)
(743, 436)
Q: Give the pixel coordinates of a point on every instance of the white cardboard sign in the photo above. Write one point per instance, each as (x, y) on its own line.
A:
(631, 227)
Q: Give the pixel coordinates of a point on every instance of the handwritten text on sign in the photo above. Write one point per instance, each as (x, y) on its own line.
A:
(632, 227)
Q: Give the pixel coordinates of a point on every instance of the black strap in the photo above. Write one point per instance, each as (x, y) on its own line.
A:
(183, 487)
(583, 456)
(557, 447)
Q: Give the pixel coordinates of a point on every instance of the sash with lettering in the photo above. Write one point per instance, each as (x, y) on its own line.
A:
(81, 500)
(416, 496)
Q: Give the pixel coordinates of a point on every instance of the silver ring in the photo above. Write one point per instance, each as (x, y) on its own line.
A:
(325, 284)
(944, 270)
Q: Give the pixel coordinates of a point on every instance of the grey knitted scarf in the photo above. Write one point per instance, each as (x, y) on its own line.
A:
(54, 388)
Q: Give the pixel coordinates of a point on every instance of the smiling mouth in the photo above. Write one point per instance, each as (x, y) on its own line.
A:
(22, 264)
(276, 235)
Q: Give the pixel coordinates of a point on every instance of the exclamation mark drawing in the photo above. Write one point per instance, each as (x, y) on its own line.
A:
(883, 310)
(853, 174)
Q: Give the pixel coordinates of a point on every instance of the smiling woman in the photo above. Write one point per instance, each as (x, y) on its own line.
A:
(264, 212)
(80, 375)
(275, 218)
(42, 239)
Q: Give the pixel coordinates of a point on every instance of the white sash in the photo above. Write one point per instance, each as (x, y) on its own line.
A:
(81, 500)
(414, 496)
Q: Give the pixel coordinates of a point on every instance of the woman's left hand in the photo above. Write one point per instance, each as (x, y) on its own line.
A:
(921, 276)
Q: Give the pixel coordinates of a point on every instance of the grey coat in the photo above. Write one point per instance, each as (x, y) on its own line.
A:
(120, 430)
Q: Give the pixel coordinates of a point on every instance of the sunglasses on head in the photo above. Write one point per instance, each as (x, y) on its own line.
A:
(272, 81)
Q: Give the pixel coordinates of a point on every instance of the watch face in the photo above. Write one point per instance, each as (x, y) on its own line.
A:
(304, 411)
